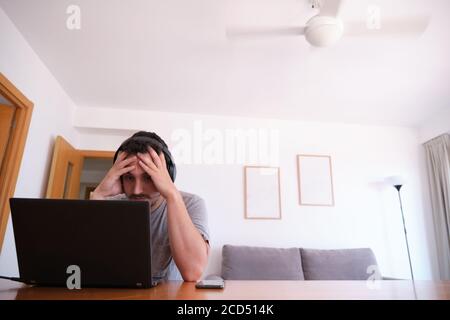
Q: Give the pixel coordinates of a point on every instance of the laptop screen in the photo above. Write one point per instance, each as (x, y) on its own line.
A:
(107, 242)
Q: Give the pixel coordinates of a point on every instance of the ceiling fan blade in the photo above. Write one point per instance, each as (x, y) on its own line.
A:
(253, 32)
(387, 26)
(330, 8)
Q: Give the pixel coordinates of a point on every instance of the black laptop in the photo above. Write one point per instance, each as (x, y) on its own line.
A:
(109, 241)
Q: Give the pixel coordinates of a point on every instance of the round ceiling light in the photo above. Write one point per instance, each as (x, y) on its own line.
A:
(323, 31)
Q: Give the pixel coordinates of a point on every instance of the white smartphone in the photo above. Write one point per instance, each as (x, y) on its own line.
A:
(210, 284)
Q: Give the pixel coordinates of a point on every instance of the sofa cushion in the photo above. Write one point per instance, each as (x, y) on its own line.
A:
(344, 264)
(260, 263)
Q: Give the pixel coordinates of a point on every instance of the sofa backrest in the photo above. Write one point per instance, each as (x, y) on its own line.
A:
(343, 264)
(265, 263)
(261, 263)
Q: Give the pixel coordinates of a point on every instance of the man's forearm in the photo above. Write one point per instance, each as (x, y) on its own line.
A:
(189, 249)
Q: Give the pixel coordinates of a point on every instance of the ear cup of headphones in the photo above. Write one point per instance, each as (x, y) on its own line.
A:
(171, 168)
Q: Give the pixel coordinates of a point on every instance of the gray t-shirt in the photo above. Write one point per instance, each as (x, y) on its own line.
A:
(163, 265)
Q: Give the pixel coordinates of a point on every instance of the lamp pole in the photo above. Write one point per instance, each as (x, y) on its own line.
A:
(398, 187)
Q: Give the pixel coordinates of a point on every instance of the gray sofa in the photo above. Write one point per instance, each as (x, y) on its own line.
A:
(263, 263)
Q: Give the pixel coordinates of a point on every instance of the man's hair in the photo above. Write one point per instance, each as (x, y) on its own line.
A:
(133, 146)
(139, 143)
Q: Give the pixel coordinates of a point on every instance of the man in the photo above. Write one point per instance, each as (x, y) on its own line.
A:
(144, 170)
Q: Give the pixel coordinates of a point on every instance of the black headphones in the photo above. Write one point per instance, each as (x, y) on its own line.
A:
(171, 168)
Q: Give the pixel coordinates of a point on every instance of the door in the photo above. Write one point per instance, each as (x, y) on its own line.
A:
(67, 167)
(6, 125)
(65, 171)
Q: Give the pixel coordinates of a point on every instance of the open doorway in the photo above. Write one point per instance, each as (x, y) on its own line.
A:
(93, 172)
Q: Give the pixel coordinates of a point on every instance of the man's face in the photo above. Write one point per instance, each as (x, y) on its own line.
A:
(138, 185)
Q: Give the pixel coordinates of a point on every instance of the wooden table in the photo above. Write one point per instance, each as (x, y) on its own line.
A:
(243, 290)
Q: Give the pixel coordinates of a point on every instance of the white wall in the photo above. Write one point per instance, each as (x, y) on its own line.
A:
(366, 213)
(436, 125)
(51, 117)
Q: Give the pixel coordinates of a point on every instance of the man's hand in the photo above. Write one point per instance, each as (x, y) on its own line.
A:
(110, 185)
(156, 168)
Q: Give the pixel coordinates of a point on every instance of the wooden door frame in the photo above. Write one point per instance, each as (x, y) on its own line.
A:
(97, 154)
(14, 150)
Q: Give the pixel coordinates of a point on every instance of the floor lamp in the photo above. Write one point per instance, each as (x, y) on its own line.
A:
(397, 182)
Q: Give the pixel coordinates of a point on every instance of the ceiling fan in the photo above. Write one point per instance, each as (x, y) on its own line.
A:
(326, 28)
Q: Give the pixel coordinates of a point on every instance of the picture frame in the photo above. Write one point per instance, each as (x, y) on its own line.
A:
(315, 180)
(262, 194)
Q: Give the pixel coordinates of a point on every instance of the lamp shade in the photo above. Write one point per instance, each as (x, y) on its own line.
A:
(395, 180)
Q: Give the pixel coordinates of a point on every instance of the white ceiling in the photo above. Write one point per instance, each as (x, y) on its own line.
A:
(172, 55)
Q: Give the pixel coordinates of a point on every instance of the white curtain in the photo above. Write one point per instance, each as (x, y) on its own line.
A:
(438, 163)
